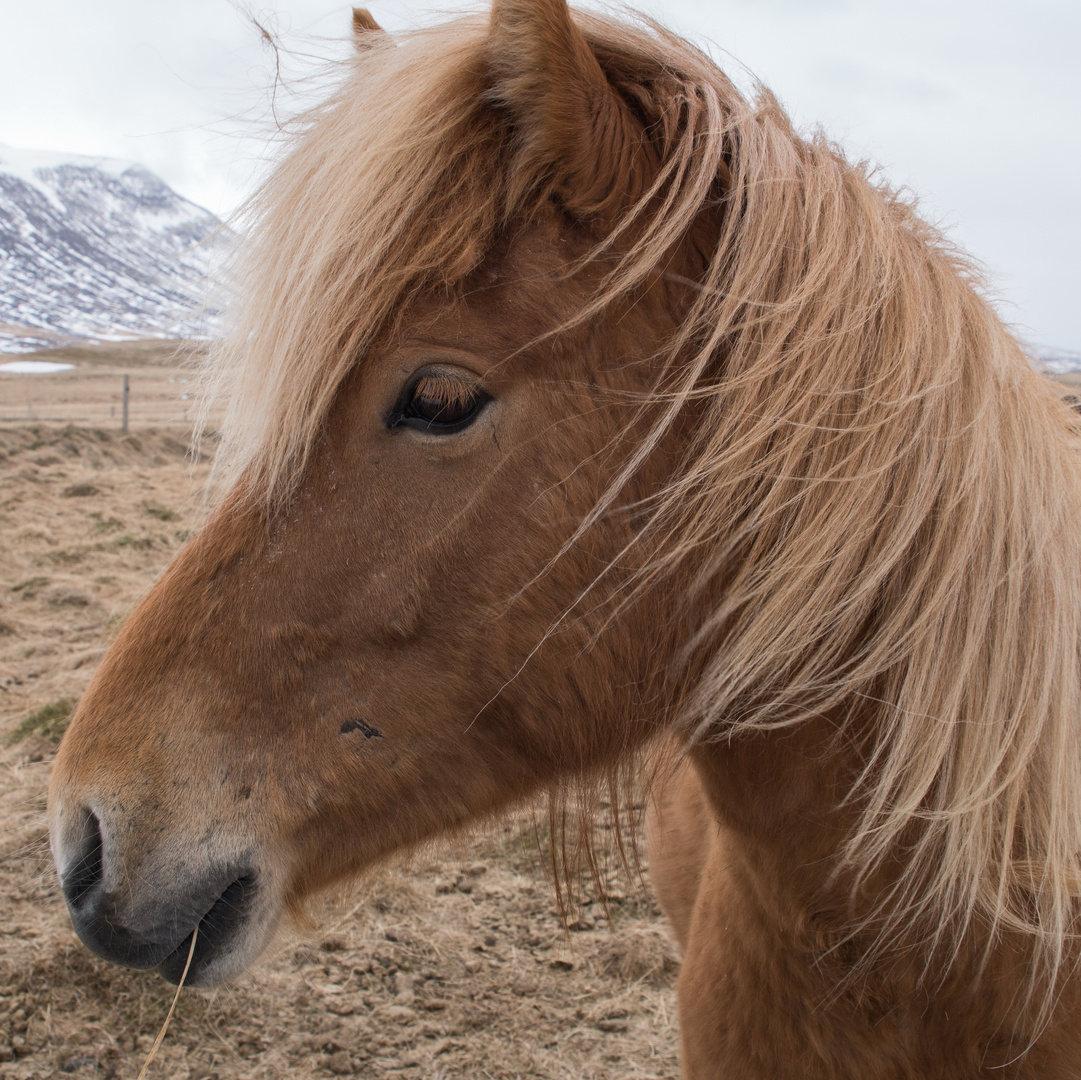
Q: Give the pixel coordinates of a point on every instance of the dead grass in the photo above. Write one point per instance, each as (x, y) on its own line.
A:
(49, 723)
(161, 377)
(452, 965)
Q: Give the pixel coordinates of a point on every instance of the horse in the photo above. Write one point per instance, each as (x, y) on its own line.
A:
(584, 418)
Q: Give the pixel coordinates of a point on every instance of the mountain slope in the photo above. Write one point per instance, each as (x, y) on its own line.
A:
(99, 248)
(1056, 361)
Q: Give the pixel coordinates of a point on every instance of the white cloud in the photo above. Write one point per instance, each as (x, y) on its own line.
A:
(971, 103)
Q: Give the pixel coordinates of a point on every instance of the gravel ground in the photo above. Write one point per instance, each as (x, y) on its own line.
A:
(453, 965)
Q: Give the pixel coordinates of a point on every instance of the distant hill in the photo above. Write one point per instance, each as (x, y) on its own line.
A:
(1056, 361)
(99, 249)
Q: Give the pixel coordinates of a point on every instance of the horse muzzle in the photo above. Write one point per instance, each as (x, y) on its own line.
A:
(144, 916)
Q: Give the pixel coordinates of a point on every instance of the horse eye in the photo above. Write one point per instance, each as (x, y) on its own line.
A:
(440, 404)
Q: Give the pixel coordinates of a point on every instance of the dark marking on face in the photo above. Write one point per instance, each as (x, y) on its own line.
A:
(365, 729)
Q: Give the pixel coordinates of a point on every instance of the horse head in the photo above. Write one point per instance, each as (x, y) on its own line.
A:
(414, 628)
(574, 399)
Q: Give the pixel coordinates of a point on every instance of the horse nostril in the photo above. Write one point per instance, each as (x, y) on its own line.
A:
(84, 873)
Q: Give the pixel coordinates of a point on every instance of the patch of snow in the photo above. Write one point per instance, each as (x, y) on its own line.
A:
(34, 367)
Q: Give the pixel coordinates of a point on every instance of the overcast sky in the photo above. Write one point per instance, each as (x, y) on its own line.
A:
(973, 104)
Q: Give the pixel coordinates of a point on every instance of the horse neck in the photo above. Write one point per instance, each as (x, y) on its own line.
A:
(778, 796)
(776, 923)
(782, 799)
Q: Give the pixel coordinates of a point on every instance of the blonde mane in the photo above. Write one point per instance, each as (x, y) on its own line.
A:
(881, 499)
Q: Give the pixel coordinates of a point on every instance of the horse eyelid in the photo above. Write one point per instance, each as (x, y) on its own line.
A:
(469, 392)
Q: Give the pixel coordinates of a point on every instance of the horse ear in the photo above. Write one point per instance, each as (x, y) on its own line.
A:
(365, 28)
(571, 122)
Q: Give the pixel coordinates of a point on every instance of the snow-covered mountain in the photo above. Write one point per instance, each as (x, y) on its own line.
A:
(1056, 361)
(100, 249)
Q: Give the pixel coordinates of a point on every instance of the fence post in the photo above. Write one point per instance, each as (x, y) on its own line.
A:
(124, 409)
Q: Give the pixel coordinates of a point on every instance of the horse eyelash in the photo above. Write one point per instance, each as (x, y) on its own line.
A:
(445, 389)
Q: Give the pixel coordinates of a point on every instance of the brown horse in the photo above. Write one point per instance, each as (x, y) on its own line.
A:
(581, 410)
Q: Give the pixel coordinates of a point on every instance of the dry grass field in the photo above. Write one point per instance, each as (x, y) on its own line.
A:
(160, 374)
(455, 965)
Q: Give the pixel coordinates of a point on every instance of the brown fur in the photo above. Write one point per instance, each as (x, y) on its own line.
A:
(366, 31)
(364, 23)
(761, 472)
